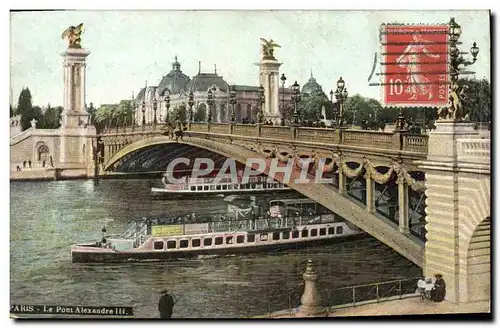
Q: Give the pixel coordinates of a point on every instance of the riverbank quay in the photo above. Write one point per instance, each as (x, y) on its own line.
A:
(48, 174)
(392, 298)
(408, 305)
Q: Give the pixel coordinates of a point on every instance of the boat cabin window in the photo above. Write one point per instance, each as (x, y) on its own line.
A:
(198, 187)
(171, 244)
(207, 242)
(295, 234)
(205, 187)
(253, 185)
(158, 244)
(217, 187)
(212, 187)
(251, 238)
(183, 243)
(240, 239)
(314, 232)
(195, 242)
(286, 235)
(305, 233)
(322, 231)
(331, 230)
(340, 230)
(263, 237)
(224, 187)
(193, 188)
(218, 240)
(229, 240)
(276, 236)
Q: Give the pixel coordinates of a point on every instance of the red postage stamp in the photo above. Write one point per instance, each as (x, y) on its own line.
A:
(415, 58)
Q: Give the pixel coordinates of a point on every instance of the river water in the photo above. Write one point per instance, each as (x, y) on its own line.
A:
(47, 217)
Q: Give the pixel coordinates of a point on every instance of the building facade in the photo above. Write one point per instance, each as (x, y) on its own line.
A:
(173, 92)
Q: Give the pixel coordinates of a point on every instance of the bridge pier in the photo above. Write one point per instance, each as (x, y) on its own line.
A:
(458, 210)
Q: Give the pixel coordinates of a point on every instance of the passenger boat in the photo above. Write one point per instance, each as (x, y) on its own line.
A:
(209, 185)
(288, 224)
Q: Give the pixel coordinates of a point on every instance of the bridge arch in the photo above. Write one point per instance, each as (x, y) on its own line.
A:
(407, 245)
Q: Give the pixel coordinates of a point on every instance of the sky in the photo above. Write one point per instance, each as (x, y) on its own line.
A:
(128, 48)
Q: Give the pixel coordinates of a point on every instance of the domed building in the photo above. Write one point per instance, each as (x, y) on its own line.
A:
(311, 87)
(172, 92)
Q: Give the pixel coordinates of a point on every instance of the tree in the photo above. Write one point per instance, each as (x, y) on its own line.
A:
(477, 99)
(52, 117)
(25, 108)
(11, 111)
(361, 109)
(35, 113)
(310, 106)
(179, 112)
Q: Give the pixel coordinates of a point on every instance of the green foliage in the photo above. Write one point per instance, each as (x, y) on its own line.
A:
(179, 113)
(199, 115)
(310, 106)
(35, 113)
(112, 115)
(477, 99)
(25, 109)
(11, 111)
(359, 109)
(52, 117)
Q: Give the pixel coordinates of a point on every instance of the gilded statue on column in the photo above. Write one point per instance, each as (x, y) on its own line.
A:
(73, 34)
(268, 48)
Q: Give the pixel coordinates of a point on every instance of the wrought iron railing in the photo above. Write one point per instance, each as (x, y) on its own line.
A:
(343, 297)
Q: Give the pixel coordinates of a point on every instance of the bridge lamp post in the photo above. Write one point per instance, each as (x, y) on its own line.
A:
(283, 80)
(334, 108)
(167, 105)
(341, 96)
(232, 101)
(456, 60)
(261, 100)
(155, 108)
(210, 102)
(143, 108)
(296, 100)
(134, 110)
(190, 104)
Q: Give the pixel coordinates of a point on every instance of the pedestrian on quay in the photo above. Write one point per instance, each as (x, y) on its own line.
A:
(439, 292)
(29, 163)
(18, 168)
(24, 164)
(43, 163)
(166, 305)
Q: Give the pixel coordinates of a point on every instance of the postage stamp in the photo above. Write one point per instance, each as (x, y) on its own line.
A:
(415, 58)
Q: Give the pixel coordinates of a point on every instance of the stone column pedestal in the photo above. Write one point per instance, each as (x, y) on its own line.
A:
(311, 299)
(269, 79)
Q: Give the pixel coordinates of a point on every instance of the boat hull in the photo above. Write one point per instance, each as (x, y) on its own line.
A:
(85, 255)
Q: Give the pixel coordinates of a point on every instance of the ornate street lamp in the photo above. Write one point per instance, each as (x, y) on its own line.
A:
(232, 101)
(155, 108)
(143, 113)
(341, 96)
(261, 100)
(296, 100)
(210, 102)
(134, 110)
(334, 108)
(167, 105)
(283, 80)
(190, 104)
(456, 60)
